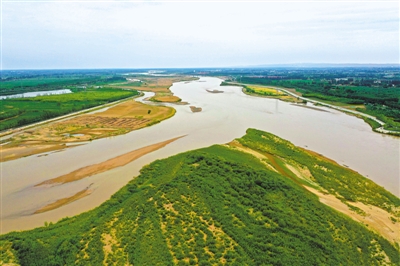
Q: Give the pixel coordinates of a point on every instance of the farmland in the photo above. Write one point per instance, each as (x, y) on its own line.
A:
(119, 119)
(24, 111)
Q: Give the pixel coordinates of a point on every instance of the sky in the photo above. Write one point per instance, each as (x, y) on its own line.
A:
(177, 34)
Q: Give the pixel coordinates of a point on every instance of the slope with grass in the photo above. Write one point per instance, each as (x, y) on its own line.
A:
(238, 204)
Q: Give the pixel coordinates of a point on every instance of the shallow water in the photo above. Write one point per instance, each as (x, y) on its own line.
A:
(225, 116)
(35, 94)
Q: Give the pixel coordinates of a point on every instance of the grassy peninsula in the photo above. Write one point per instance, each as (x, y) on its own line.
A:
(254, 201)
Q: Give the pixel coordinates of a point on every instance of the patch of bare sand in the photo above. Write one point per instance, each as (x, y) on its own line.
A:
(64, 201)
(133, 109)
(236, 145)
(375, 218)
(167, 98)
(12, 153)
(107, 165)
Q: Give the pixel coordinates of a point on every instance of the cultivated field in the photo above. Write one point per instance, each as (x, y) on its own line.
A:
(120, 119)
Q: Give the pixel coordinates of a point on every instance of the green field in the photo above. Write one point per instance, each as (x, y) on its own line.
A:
(218, 206)
(24, 111)
(54, 82)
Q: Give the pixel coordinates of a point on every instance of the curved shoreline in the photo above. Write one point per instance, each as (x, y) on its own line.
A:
(352, 112)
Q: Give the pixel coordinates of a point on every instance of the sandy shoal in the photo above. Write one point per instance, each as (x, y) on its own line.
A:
(7, 154)
(64, 201)
(106, 165)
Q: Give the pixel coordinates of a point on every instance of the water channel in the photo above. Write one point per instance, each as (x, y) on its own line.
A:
(224, 117)
(35, 94)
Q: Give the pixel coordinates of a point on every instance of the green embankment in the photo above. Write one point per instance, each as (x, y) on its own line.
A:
(213, 206)
(24, 111)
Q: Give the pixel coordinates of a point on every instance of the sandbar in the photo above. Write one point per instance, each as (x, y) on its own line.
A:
(106, 165)
(214, 91)
(195, 109)
(64, 201)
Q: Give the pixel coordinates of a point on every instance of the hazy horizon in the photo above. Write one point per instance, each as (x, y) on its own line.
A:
(262, 66)
(192, 34)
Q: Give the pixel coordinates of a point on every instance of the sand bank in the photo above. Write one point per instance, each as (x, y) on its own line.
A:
(107, 165)
(64, 201)
(215, 91)
(195, 109)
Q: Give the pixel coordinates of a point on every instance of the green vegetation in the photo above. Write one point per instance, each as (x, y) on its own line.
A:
(49, 81)
(371, 122)
(23, 111)
(213, 206)
(336, 179)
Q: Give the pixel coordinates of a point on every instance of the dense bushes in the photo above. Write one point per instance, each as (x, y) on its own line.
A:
(209, 206)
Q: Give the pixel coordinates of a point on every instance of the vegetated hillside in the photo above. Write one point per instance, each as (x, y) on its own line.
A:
(218, 205)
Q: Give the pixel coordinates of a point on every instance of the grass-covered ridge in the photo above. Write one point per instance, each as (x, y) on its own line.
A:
(330, 176)
(217, 205)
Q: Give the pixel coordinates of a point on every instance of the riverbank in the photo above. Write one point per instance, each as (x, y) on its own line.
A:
(119, 119)
(225, 116)
(226, 200)
(296, 97)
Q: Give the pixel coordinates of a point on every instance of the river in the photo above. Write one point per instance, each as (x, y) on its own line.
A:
(225, 116)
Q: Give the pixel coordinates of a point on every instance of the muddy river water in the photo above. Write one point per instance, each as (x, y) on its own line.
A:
(224, 116)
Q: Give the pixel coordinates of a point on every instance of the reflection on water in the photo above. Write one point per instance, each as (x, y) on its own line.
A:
(224, 116)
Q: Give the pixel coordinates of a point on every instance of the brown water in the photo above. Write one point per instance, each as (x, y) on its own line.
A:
(225, 116)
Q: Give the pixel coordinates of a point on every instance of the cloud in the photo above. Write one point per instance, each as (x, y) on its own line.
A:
(136, 34)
